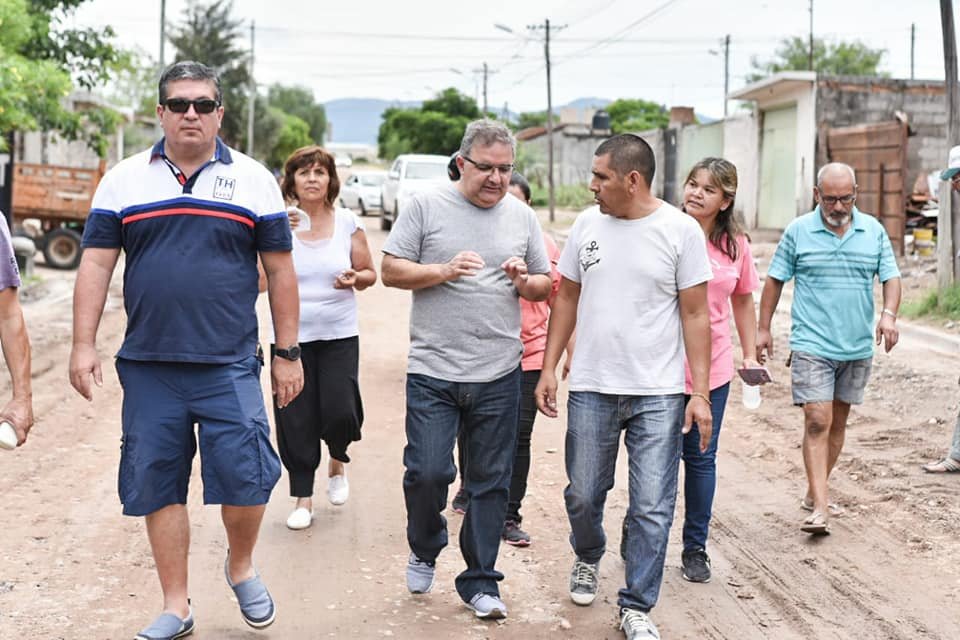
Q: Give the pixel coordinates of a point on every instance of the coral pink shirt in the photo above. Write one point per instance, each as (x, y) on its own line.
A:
(730, 278)
(533, 316)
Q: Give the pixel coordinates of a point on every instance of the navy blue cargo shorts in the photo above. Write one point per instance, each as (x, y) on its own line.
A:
(162, 401)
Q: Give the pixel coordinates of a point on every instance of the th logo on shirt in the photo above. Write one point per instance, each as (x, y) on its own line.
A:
(223, 188)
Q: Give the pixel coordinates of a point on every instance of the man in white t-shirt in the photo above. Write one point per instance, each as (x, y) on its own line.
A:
(634, 284)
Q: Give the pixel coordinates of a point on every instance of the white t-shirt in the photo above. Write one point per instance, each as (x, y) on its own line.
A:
(326, 313)
(629, 335)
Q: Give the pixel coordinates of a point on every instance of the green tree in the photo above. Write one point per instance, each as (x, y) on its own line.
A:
(531, 119)
(832, 58)
(436, 127)
(299, 102)
(294, 133)
(209, 34)
(629, 115)
(38, 57)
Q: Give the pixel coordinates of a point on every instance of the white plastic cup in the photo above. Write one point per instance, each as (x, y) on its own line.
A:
(751, 396)
(303, 219)
(8, 436)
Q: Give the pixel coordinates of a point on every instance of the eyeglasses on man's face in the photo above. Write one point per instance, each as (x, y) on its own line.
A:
(483, 167)
(182, 105)
(844, 200)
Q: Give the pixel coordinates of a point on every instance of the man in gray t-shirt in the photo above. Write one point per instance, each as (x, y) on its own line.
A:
(467, 251)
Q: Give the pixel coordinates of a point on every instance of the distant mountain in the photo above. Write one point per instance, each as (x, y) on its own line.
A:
(358, 119)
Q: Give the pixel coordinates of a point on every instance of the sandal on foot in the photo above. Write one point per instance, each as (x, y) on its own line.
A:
(256, 605)
(815, 524)
(947, 465)
(833, 508)
(168, 626)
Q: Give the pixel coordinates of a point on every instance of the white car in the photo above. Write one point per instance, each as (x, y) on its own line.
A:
(410, 172)
(362, 191)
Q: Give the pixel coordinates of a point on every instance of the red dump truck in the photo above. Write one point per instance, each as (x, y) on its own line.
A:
(59, 198)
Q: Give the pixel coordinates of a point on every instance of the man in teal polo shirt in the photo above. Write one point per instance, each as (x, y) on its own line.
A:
(834, 252)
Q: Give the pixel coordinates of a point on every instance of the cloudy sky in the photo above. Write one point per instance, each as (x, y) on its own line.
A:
(669, 51)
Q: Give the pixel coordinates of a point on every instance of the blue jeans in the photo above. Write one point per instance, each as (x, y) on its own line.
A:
(700, 475)
(653, 437)
(487, 414)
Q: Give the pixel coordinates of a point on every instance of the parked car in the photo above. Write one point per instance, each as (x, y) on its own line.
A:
(408, 174)
(362, 191)
(343, 161)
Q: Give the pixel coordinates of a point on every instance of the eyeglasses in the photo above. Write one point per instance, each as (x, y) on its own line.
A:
(182, 105)
(483, 167)
(844, 200)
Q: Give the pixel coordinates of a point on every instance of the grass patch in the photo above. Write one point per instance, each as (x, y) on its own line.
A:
(936, 304)
(573, 196)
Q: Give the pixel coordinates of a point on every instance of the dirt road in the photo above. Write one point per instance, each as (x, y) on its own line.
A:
(72, 567)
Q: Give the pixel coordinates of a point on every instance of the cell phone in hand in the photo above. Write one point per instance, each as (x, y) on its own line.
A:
(755, 375)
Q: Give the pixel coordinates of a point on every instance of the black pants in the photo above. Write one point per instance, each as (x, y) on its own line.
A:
(328, 410)
(521, 459)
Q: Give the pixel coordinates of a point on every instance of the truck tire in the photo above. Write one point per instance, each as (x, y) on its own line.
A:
(62, 249)
(385, 223)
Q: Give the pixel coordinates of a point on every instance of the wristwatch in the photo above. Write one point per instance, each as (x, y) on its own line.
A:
(291, 353)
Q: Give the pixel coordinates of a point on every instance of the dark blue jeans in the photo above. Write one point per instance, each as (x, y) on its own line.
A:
(700, 475)
(487, 415)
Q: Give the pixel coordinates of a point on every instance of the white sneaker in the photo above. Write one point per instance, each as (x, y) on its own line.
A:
(338, 489)
(300, 518)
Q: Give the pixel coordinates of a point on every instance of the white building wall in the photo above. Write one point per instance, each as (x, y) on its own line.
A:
(741, 140)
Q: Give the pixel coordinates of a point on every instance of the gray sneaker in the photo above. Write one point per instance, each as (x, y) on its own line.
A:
(637, 625)
(420, 575)
(488, 606)
(584, 582)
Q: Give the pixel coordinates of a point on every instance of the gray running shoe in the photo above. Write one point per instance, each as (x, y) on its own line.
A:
(512, 534)
(420, 575)
(584, 582)
(636, 625)
(696, 565)
(488, 606)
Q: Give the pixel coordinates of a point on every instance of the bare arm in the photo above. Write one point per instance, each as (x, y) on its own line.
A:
(407, 274)
(287, 376)
(16, 353)
(887, 331)
(769, 299)
(745, 317)
(261, 276)
(361, 273)
(563, 320)
(695, 319)
(89, 296)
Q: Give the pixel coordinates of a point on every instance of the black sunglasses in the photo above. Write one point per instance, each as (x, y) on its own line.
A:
(182, 105)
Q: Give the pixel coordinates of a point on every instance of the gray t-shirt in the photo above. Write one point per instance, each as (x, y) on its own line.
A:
(467, 330)
(9, 272)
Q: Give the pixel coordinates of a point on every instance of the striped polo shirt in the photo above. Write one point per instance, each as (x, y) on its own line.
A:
(832, 309)
(191, 245)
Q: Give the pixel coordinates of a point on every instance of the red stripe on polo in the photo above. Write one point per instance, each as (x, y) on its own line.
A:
(186, 211)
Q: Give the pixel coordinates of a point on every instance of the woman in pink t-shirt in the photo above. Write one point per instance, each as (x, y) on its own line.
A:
(708, 196)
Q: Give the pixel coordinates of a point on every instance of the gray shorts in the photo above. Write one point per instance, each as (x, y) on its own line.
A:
(817, 379)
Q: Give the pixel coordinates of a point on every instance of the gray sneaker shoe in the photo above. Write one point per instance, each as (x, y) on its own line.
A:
(488, 606)
(420, 575)
(637, 625)
(584, 582)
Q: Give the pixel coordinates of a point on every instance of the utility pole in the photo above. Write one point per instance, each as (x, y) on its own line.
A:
(810, 62)
(546, 52)
(484, 89)
(913, 46)
(726, 72)
(251, 104)
(163, 32)
(948, 221)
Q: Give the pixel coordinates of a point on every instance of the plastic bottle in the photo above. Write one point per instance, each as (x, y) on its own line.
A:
(751, 396)
(8, 436)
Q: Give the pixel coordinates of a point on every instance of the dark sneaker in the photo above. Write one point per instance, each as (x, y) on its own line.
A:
(637, 625)
(460, 501)
(584, 582)
(513, 534)
(696, 565)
